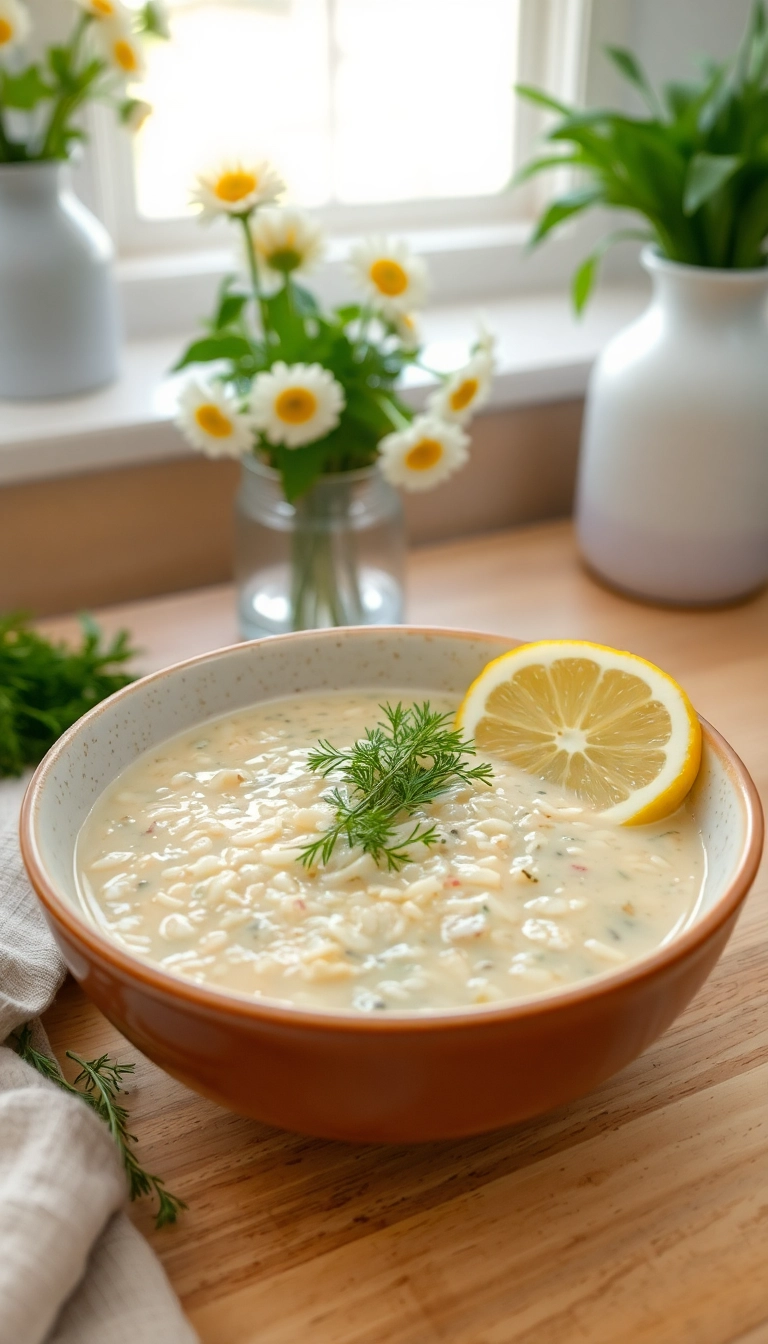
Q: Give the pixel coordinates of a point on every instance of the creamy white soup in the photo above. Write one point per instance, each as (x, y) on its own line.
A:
(191, 860)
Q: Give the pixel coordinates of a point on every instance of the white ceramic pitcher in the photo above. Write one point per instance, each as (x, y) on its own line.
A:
(672, 500)
(59, 330)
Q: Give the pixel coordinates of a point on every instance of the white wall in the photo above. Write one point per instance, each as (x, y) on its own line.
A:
(666, 35)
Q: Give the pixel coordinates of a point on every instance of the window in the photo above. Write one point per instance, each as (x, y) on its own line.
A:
(356, 101)
(379, 113)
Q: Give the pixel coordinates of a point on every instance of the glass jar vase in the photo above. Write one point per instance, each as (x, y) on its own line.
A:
(334, 557)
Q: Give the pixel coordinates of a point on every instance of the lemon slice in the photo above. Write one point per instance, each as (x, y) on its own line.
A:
(607, 725)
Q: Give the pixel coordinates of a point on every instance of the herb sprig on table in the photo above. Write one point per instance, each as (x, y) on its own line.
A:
(98, 1084)
(45, 687)
(392, 771)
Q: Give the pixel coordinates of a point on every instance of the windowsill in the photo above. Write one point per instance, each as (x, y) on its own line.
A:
(544, 354)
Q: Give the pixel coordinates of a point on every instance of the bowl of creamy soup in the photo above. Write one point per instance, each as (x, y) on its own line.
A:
(511, 964)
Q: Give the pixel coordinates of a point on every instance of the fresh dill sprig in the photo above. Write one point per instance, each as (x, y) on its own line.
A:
(99, 1083)
(45, 686)
(392, 771)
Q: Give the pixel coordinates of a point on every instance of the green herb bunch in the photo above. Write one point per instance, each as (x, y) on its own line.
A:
(40, 103)
(46, 687)
(695, 168)
(99, 1083)
(397, 768)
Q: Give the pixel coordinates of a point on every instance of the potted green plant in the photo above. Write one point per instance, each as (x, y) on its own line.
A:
(307, 398)
(58, 307)
(672, 501)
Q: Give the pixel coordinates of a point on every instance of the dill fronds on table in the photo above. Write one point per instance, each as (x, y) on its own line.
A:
(45, 687)
(98, 1084)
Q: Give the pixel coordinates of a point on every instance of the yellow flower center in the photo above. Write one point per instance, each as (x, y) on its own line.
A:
(104, 7)
(125, 56)
(389, 277)
(213, 421)
(464, 394)
(296, 405)
(6, 32)
(234, 187)
(424, 454)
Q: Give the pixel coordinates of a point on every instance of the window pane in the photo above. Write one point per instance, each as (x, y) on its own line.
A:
(407, 99)
(424, 98)
(237, 80)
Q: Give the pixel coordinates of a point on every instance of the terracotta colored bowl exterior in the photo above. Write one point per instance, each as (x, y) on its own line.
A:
(392, 1078)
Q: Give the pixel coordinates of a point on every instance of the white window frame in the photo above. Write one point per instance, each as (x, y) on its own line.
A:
(169, 267)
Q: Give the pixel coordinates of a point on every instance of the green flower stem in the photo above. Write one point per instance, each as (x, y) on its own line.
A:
(66, 104)
(5, 148)
(325, 580)
(253, 267)
(362, 342)
(395, 415)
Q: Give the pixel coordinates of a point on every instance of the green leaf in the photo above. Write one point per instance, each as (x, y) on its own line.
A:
(224, 346)
(59, 59)
(304, 301)
(152, 20)
(24, 91)
(751, 229)
(541, 99)
(707, 174)
(230, 310)
(632, 70)
(348, 312)
(584, 277)
(299, 468)
(545, 164)
(583, 282)
(755, 28)
(287, 321)
(564, 208)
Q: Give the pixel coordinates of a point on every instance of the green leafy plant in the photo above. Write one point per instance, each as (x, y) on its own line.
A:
(695, 168)
(99, 1083)
(46, 687)
(40, 102)
(395, 769)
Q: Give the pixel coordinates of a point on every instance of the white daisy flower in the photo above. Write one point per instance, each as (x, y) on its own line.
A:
(408, 330)
(106, 9)
(134, 113)
(464, 392)
(392, 276)
(121, 48)
(14, 26)
(296, 404)
(287, 242)
(210, 419)
(235, 189)
(423, 455)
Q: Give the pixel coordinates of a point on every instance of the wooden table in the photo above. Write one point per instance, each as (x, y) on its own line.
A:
(638, 1214)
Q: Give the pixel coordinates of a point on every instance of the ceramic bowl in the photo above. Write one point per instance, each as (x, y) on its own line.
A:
(341, 1075)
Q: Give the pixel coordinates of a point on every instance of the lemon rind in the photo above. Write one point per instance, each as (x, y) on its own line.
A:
(667, 792)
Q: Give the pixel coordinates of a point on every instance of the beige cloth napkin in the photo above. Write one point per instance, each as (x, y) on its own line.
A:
(73, 1269)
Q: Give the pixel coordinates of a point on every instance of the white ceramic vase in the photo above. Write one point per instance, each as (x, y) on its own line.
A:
(672, 499)
(59, 330)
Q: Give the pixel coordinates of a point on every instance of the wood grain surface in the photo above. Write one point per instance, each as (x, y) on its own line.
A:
(639, 1214)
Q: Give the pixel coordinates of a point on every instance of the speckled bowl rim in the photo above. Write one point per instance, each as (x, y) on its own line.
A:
(225, 1004)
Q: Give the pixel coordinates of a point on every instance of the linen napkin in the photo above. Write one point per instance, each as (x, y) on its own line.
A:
(73, 1269)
